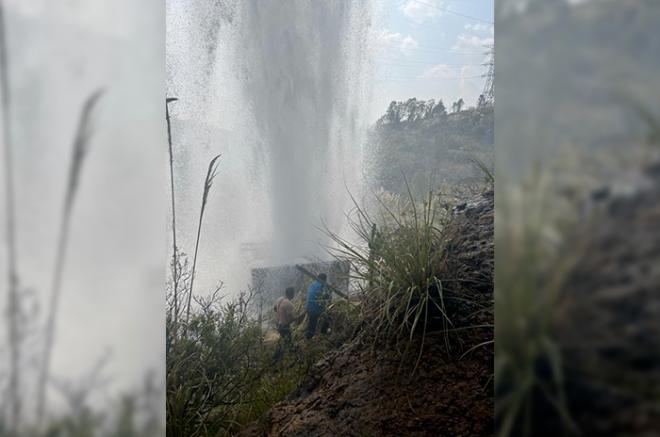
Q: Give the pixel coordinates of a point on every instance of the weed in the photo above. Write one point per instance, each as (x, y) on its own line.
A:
(402, 266)
(80, 149)
(208, 183)
(528, 280)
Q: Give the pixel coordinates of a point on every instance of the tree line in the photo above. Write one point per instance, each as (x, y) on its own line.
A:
(421, 144)
(413, 110)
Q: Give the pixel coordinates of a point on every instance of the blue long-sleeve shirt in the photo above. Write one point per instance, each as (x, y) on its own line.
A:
(314, 296)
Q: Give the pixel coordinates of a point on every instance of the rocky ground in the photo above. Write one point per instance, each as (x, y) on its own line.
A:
(362, 390)
(609, 327)
(354, 392)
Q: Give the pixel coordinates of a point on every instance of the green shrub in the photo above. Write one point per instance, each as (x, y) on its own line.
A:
(400, 267)
(210, 367)
(221, 374)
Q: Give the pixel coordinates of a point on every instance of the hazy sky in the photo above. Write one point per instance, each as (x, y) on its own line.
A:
(111, 303)
(431, 49)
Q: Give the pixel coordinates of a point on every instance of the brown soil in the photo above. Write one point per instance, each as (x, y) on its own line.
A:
(610, 329)
(356, 392)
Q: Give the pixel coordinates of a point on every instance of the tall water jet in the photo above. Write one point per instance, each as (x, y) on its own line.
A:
(289, 92)
(297, 58)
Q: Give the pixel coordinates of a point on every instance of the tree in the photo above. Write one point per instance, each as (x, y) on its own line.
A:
(457, 106)
(428, 109)
(439, 109)
(393, 114)
(411, 109)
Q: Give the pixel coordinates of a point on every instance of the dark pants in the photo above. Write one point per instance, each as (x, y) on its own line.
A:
(285, 344)
(312, 321)
(285, 333)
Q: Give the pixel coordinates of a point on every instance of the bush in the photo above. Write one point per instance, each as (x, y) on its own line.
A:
(221, 373)
(211, 364)
(402, 269)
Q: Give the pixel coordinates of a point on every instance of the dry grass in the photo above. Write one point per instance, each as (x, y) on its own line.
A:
(528, 280)
(175, 251)
(208, 183)
(402, 265)
(80, 149)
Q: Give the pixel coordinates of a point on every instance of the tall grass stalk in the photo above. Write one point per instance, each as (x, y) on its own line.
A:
(643, 113)
(528, 281)
(485, 169)
(80, 149)
(175, 264)
(208, 183)
(12, 258)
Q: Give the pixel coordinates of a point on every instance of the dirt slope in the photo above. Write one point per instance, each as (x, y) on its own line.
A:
(354, 393)
(610, 325)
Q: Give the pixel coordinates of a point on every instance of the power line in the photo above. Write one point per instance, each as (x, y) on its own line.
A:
(440, 8)
(411, 64)
(427, 51)
(451, 50)
(410, 79)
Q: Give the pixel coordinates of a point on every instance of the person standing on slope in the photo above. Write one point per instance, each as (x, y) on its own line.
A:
(317, 299)
(285, 314)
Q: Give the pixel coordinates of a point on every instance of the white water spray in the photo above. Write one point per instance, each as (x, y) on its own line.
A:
(280, 89)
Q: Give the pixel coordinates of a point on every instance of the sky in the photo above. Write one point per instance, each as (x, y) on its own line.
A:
(431, 49)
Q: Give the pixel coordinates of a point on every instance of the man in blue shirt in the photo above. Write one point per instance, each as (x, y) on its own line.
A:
(317, 298)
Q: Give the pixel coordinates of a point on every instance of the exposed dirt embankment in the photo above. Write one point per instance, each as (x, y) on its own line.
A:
(362, 390)
(610, 325)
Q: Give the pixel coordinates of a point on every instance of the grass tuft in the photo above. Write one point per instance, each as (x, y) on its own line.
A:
(403, 269)
(208, 183)
(528, 281)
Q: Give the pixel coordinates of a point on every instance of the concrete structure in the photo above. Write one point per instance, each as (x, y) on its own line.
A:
(269, 283)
